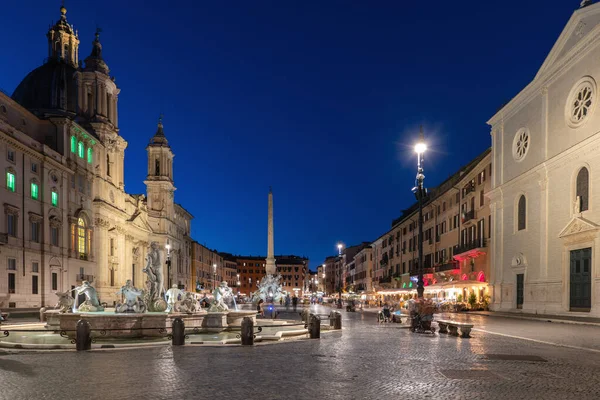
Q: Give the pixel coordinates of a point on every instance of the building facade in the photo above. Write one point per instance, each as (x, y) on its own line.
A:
(544, 201)
(67, 217)
(293, 271)
(456, 220)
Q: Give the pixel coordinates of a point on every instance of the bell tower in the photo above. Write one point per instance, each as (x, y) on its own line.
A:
(159, 181)
(63, 41)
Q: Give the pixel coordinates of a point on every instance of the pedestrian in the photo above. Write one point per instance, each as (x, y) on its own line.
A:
(259, 308)
(287, 302)
(294, 302)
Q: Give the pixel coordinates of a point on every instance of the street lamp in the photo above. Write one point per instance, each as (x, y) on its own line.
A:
(168, 247)
(340, 247)
(238, 283)
(214, 276)
(420, 192)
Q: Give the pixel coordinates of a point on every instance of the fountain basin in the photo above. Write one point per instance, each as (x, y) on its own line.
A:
(110, 324)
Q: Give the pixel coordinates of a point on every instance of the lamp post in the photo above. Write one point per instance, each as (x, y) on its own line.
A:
(168, 247)
(238, 283)
(420, 192)
(340, 247)
(214, 276)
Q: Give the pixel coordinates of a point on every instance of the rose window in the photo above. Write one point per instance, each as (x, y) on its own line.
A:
(581, 101)
(581, 104)
(521, 144)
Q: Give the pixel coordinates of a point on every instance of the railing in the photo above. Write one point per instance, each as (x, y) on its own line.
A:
(477, 243)
(447, 267)
(3, 238)
(415, 270)
(469, 215)
(469, 188)
(385, 279)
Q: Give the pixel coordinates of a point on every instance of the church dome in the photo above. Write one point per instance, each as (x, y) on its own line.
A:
(50, 89)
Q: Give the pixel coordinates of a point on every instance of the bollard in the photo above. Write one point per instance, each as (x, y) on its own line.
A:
(247, 331)
(337, 321)
(305, 315)
(84, 335)
(178, 332)
(42, 316)
(314, 327)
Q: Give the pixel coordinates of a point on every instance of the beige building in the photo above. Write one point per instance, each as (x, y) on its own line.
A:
(363, 275)
(207, 268)
(546, 215)
(67, 217)
(456, 218)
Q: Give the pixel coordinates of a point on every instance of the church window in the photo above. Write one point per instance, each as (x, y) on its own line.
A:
(90, 155)
(521, 144)
(73, 144)
(80, 150)
(66, 52)
(34, 191)
(82, 234)
(10, 181)
(521, 213)
(581, 101)
(582, 190)
(156, 167)
(54, 197)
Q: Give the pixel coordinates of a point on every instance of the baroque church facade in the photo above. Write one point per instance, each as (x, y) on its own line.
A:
(66, 217)
(545, 197)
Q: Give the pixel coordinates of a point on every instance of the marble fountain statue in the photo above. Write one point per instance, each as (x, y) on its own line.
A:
(146, 312)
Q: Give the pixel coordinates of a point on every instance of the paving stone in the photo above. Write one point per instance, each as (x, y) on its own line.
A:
(364, 361)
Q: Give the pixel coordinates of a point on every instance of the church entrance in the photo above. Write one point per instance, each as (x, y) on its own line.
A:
(580, 298)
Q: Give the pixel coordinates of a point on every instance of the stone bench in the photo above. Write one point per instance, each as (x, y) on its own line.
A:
(452, 327)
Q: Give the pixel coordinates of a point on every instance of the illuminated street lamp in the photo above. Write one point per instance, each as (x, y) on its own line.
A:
(420, 192)
(168, 247)
(214, 276)
(340, 247)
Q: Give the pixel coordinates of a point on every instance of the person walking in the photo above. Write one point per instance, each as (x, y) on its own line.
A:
(294, 302)
(287, 302)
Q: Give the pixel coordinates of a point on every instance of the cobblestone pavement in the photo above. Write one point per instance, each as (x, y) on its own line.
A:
(364, 361)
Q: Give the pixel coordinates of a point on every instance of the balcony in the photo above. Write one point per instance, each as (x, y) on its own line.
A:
(84, 277)
(385, 279)
(3, 238)
(447, 267)
(415, 271)
(469, 215)
(471, 249)
(470, 187)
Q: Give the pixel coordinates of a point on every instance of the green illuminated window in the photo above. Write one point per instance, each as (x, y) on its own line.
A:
(90, 155)
(10, 181)
(34, 191)
(80, 150)
(54, 199)
(73, 144)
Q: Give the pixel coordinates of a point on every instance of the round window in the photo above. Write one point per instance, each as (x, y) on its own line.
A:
(581, 102)
(521, 144)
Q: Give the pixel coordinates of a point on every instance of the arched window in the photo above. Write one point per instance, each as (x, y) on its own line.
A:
(73, 144)
(156, 167)
(82, 235)
(90, 155)
(107, 165)
(66, 52)
(582, 190)
(522, 213)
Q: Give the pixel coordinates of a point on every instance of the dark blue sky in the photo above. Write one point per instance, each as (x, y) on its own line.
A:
(320, 99)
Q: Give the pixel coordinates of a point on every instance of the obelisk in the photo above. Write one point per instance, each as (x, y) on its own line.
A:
(270, 268)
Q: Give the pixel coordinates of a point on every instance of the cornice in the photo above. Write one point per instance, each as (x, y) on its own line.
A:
(541, 82)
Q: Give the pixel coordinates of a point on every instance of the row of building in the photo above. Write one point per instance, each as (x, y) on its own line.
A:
(456, 221)
(66, 217)
(521, 222)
